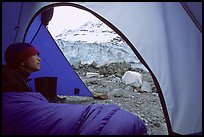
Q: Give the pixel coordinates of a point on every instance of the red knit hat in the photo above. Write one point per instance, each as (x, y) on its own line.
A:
(19, 52)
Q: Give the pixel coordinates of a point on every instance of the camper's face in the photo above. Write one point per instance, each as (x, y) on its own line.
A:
(32, 63)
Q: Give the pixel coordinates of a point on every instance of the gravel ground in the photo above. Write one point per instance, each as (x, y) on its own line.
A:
(144, 104)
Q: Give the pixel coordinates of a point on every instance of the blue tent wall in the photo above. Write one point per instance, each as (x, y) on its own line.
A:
(8, 32)
(53, 62)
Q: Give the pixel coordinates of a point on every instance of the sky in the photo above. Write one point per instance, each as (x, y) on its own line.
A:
(68, 17)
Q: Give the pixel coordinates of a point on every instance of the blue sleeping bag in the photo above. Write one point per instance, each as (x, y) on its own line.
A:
(29, 113)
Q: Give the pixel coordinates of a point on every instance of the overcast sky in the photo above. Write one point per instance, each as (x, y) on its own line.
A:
(68, 17)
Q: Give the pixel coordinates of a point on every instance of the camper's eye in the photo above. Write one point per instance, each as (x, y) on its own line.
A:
(37, 55)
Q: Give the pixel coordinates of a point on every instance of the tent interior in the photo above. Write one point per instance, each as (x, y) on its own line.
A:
(165, 36)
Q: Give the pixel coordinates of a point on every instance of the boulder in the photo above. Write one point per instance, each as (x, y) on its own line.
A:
(132, 78)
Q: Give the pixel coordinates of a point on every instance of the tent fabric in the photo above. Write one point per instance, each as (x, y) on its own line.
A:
(162, 33)
(29, 113)
(194, 9)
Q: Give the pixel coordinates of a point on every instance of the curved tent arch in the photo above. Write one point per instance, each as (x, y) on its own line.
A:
(129, 44)
(174, 58)
(125, 39)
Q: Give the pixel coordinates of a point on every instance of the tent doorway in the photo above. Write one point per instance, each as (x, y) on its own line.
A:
(167, 30)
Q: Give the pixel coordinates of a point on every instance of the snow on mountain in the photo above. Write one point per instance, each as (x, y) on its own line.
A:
(95, 42)
(91, 32)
